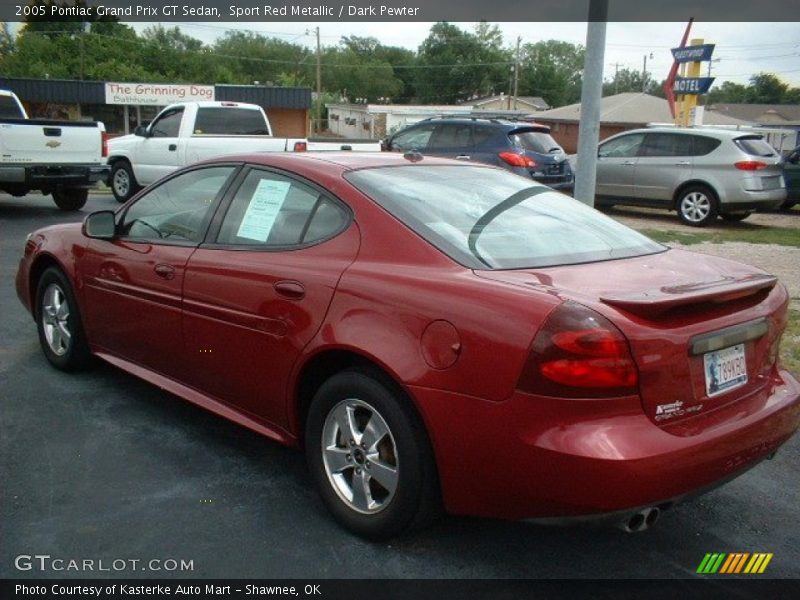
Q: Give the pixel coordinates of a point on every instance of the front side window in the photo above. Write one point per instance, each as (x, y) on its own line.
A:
(626, 146)
(413, 139)
(178, 210)
(271, 210)
(168, 124)
(490, 219)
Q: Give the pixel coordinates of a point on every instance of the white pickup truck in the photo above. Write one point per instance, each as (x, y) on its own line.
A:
(62, 158)
(187, 132)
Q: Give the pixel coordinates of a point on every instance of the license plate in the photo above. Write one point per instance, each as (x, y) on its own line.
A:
(725, 369)
(771, 183)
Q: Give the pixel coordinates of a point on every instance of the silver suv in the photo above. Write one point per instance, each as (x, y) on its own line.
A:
(700, 173)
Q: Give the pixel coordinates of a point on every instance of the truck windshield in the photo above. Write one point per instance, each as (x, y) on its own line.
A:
(488, 218)
(230, 120)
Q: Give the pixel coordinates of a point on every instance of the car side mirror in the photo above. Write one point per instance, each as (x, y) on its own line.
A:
(141, 131)
(100, 225)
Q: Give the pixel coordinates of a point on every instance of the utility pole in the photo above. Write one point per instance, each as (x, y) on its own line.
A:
(84, 27)
(591, 94)
(644, 73)
(319, 85)
(516, 72)
(616, 79)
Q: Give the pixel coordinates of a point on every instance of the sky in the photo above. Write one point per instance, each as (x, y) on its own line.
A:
(743, 49)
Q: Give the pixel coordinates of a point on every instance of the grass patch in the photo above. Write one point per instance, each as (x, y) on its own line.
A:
(790, 344)
(780, 236)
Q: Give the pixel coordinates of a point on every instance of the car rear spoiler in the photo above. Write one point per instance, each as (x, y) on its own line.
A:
(655, 302)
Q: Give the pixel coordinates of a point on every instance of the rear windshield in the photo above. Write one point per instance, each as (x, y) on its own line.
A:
(9, 108)
(490, 219)
(229, 121)
(535, 141)
(755, 145)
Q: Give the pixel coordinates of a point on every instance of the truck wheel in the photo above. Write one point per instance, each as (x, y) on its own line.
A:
(123, 181)
(72, 199)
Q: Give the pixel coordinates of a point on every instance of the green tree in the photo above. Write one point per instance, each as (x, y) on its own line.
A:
(766, 88)
(553, 70)
(250, 57)
(401, 60)
(630, 80)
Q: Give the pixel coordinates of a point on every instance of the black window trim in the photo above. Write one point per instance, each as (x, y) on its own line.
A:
(212, 232)
(207, 220)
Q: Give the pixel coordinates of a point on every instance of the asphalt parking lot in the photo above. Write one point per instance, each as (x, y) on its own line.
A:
(99, 465)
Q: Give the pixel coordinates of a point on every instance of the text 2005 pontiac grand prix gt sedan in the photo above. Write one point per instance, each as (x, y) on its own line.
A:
(434, 333)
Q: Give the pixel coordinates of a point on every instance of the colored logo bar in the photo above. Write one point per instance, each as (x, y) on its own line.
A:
(734, 563)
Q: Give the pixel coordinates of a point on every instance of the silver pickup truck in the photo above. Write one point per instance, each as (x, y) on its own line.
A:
(62, 158)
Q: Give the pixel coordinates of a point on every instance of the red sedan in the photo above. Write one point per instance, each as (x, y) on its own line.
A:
(434, 333)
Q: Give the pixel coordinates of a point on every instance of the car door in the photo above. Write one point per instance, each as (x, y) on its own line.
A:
(452, 140)
(665, 161)
(132, 284)
(157, 154)
(791, 175)
(258, 290)
(616, 163)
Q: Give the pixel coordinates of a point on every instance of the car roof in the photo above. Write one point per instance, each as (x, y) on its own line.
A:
(503, 122)
(707, 131)
(338, 161)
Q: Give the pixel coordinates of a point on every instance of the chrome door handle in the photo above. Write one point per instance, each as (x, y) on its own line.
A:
(683, 163)
(463, 157)
(629, 163)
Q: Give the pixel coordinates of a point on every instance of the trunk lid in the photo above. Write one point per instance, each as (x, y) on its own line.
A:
(703, 330)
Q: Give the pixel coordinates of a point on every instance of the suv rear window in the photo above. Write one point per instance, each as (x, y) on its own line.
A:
(754, 145)
(535, 141)
(229, 121)
(491, 219)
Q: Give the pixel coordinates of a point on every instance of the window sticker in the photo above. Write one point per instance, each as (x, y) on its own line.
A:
(263, 209)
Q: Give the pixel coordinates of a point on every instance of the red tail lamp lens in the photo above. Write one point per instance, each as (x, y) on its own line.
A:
(578, 353)
(517, 160)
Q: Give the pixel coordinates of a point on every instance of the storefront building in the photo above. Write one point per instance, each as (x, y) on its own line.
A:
(122, 106)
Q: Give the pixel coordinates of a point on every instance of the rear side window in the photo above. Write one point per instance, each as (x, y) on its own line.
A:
(704, 145)
(272, 210)
(9, 109)
(482, 134)
(535, 141)
(229, 121)
(451, 135)
(666, 144)
(754, 145)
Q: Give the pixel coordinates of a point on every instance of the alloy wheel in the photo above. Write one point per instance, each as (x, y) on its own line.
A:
(360, 456)
(696, 207)
(55, 320)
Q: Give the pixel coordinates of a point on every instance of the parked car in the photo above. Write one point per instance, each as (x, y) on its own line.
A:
(523, 148)
(700, 173)
(429, 330)
(187, 132)
(791, 177)
(62, 158)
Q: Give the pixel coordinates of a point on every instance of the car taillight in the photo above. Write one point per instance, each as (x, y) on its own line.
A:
(300, 146)
(103, 144)
(750, 165)
(517, 160)
(578, 353)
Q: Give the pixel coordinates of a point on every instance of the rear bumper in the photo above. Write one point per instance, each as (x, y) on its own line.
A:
(533, 457)
(753, 200)
(49, 177)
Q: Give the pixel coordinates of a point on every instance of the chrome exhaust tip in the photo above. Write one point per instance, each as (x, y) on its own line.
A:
(641, 520)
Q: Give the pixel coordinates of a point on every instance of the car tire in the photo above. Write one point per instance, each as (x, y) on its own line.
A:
(58, 321)
(370, 456)
(123, 181)
(737, 216)
(71, 199)
(788, 204)
(697, 205)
